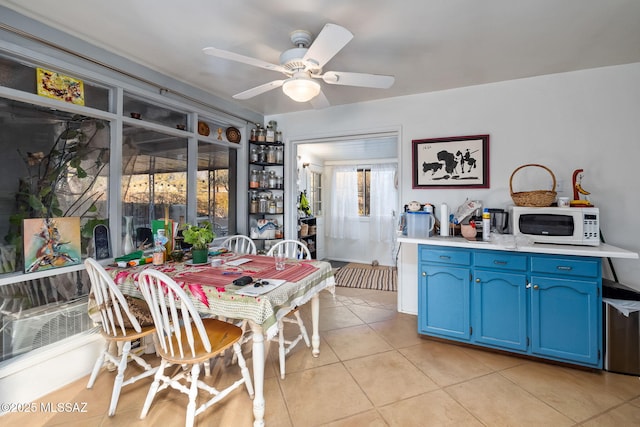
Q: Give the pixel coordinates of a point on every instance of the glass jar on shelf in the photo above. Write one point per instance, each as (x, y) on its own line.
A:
(254, 134)
(261, 135)
(253, 157)
(262, 154)
(272, 206)
(253, 204)
(272, 179)
(279, 183)
(271, 154)
(279, 155)
(279, 205)
(279, 137)
(270, 134)
(254, 179)
(264, 179)
(263, 202)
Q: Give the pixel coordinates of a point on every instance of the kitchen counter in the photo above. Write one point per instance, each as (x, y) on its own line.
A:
(601, 251)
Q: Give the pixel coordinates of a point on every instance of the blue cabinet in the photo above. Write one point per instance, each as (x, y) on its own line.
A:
(444, 294)
(566, 309)
(546, 306)
(500, 309)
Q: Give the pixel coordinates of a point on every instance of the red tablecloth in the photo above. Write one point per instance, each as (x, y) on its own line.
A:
(259, 267)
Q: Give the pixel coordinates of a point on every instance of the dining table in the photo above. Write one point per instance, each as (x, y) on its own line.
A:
(212, 290)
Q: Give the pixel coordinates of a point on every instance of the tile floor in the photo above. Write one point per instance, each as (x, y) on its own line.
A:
(374, 370)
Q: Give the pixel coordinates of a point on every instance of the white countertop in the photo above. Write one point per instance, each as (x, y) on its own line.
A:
(601, 251)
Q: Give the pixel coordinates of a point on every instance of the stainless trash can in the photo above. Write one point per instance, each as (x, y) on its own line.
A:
(621, 332)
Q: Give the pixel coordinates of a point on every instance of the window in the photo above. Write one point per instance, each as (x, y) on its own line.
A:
(56, 163)
(315, 193)
(216, 188)
(154, 178)
(364, 188)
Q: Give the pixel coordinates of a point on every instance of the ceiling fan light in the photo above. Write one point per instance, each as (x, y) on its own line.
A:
(301, 89)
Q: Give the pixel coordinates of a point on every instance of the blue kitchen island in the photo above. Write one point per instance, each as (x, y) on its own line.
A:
(538, 300)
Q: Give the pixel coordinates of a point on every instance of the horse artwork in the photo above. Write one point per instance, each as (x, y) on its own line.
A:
(51, 243)
(466, 158)
(451, 162)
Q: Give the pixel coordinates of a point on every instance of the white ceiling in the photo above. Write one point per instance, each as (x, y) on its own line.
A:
(428, 45)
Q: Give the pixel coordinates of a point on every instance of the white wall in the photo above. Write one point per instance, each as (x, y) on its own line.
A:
(581, 120)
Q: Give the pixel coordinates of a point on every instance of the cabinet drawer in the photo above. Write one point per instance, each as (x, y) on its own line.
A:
(566, 266)
(500, 260)
(444, 255)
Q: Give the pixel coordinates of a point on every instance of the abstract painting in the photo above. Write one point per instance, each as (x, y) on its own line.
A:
(51, 243)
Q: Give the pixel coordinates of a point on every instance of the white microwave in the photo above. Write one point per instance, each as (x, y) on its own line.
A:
(568, 226)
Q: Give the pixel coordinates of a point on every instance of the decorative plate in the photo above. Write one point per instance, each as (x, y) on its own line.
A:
(203, 129)
(190, 262)
(233, 135)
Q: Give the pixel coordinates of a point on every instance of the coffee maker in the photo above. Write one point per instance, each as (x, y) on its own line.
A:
(499, 221)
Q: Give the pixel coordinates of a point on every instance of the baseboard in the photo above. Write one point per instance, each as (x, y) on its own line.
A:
(33, 375)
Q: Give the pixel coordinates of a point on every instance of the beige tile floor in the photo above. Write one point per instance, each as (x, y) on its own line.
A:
(374, 370)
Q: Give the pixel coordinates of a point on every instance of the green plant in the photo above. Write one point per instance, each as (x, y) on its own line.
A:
(44, 192)
(198, 236)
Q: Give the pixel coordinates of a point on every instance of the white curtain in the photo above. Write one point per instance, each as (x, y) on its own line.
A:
(383, 202)
(344, 219)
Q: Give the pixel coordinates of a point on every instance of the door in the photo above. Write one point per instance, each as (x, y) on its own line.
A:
(500, 309)
(565, 319)
(444, 301)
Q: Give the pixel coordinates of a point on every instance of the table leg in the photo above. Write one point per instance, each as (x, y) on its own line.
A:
(315, 317)
(258, 374)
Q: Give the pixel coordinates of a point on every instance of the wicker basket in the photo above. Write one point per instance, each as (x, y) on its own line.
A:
(536, 198)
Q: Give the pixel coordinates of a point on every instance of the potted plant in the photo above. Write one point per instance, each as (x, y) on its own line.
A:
(199, 237)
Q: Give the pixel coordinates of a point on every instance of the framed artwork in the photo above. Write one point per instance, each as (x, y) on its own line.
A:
(60, 87)
(51, 243)
(453, 162)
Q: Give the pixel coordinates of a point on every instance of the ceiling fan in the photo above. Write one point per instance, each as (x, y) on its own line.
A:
(303, 63)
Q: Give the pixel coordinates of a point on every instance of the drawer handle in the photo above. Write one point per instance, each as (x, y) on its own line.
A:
(536, 287)
(445, 257)
(564, 268)
(424, 274)
(500, 262)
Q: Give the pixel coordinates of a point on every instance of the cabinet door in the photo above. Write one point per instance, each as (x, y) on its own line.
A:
(443, 307)
(565, 319)
(500, 309)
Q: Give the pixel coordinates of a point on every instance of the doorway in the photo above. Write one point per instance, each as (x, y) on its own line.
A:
(315, 162)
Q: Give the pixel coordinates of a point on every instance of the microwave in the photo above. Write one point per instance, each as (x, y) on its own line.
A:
(568, 226)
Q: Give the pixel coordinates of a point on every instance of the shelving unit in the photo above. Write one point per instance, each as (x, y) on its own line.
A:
(307, 234)
(266, 187)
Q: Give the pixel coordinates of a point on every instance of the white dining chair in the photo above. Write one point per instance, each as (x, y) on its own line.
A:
(185, 339)
(240, 244)
(296, 250)
(119, 326)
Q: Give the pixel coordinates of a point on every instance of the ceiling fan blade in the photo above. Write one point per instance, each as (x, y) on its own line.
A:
(250, 93)
(225, 54)
(330, 41)
(358, 79)
(320, 101)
